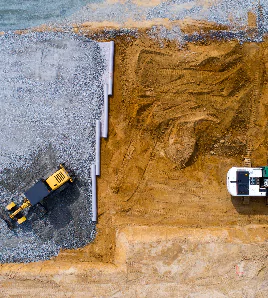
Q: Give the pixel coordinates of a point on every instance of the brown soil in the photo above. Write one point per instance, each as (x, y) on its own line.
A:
(180, 117)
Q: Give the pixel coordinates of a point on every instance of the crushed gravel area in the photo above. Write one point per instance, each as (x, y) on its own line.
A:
(227, 12)
(51, 91)
(233, 14)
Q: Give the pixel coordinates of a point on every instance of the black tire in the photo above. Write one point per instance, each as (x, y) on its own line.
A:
(4, 216)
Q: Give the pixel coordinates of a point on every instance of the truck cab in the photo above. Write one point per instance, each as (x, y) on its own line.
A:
(248, 181)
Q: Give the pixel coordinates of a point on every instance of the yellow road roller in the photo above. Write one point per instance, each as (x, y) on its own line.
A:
(39, 191)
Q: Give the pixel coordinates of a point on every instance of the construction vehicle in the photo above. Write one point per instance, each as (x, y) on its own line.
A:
(39, 191)
(246, 182)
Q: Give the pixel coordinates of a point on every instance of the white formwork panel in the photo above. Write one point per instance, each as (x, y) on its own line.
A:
(105, 114)
(94, 193)
(111, 68)
(107, 49)
(98, 149)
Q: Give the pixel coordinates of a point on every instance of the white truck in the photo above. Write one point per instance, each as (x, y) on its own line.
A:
(246, 182)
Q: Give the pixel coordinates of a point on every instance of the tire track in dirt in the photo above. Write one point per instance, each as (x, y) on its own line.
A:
(255, 100)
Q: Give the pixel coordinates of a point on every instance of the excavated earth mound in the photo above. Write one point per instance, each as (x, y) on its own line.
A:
(180, 118)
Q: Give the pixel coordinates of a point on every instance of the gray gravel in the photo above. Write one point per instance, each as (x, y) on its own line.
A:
(216, 11)
(26, 14)
(51, 92)
(225, 12)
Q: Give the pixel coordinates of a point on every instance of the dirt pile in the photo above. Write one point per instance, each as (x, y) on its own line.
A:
(180, 118)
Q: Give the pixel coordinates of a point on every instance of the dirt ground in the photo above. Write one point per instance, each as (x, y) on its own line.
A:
(180, 117)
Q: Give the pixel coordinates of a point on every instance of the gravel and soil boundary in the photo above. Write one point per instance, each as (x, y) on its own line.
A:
(167, 224)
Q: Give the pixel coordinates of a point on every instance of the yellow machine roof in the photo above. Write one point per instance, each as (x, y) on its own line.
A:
(57, 179)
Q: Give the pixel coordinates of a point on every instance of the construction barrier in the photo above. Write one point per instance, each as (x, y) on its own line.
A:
(106, 113)
(98, 149)
(102, 131)
(94, 193)
(111, 68)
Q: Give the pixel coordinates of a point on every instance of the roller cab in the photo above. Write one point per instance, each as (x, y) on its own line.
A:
(59, 178)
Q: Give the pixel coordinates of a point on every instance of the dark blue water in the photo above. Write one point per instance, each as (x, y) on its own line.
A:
(24, 14)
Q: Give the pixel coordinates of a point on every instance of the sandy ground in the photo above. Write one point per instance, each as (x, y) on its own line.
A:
(180, 117)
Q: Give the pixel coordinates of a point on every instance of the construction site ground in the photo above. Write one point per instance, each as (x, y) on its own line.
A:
(180, 117)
